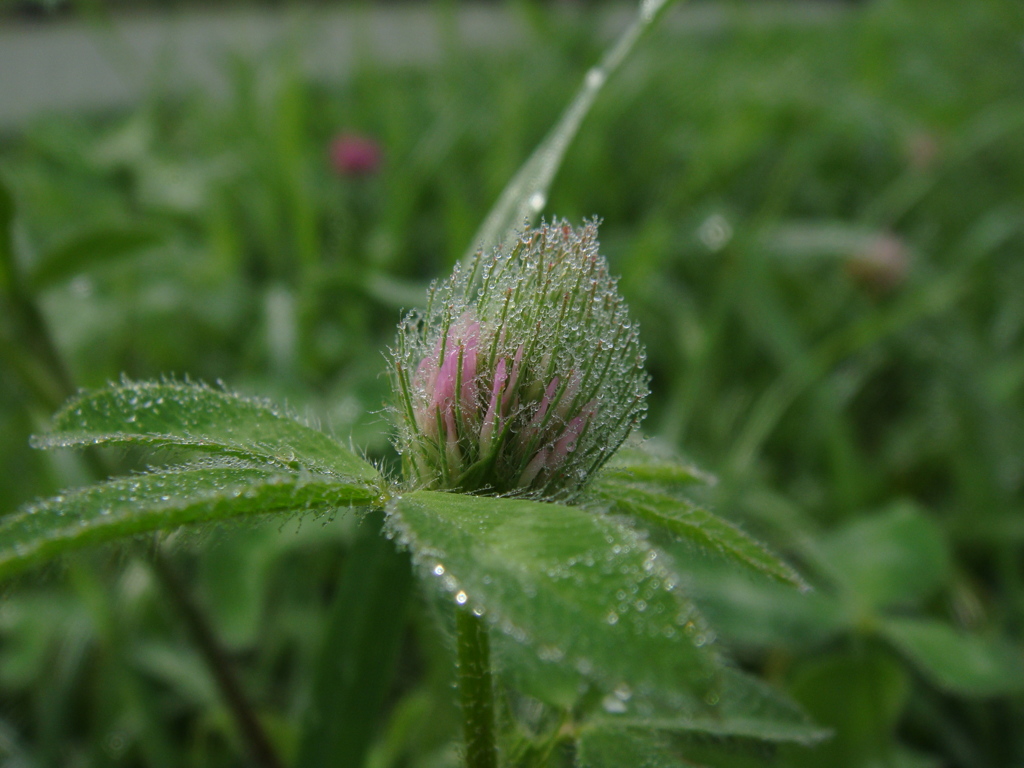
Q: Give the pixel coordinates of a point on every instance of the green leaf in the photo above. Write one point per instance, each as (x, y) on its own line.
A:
(546, 679)
(897, 557)
(180, 669)
(233, 573)
(739, 706)
(608, 746)
(861, 696)
(963, 664)
(32, 625)
(358, 654)
(697, 525)
(748, 716)
(86, 251)
(162, 500)
(643, 465)
(197, 416)
(759, 614)
(578, 588)
(525, 195)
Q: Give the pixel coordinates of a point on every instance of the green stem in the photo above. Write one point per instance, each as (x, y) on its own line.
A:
(476, 689)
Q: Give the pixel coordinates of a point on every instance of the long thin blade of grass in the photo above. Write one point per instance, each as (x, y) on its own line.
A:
(525, 196)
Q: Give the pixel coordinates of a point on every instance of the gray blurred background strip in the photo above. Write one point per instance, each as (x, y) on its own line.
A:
(71, 65)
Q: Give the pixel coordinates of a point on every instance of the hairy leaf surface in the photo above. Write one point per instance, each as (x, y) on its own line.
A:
(698, 525)
(200, 417)
(643, 464)
(611, 746)
(578, 587)
(163, 500)
(740, 706)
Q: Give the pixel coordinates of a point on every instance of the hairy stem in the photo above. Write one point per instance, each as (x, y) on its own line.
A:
(476, 689)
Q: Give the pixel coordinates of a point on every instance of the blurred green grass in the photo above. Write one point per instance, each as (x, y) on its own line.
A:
(819, 226)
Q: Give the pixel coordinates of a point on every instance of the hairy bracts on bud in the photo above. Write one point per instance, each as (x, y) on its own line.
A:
(524, 373)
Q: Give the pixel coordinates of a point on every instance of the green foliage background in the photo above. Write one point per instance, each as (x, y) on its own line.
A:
(819, 225)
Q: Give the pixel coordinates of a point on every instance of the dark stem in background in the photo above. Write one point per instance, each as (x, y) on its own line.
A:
(25, 341)
(476, 689)
(33, 354)
(260, 748)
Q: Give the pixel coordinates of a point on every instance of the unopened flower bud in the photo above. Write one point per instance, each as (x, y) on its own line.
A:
(354, 155)
(524, 373)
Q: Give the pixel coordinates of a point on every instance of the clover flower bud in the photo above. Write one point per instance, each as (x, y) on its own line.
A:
(524, 373)
(354, 155)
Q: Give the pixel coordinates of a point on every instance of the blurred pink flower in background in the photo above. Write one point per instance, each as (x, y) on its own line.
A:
(882, 266)
(354, 155)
